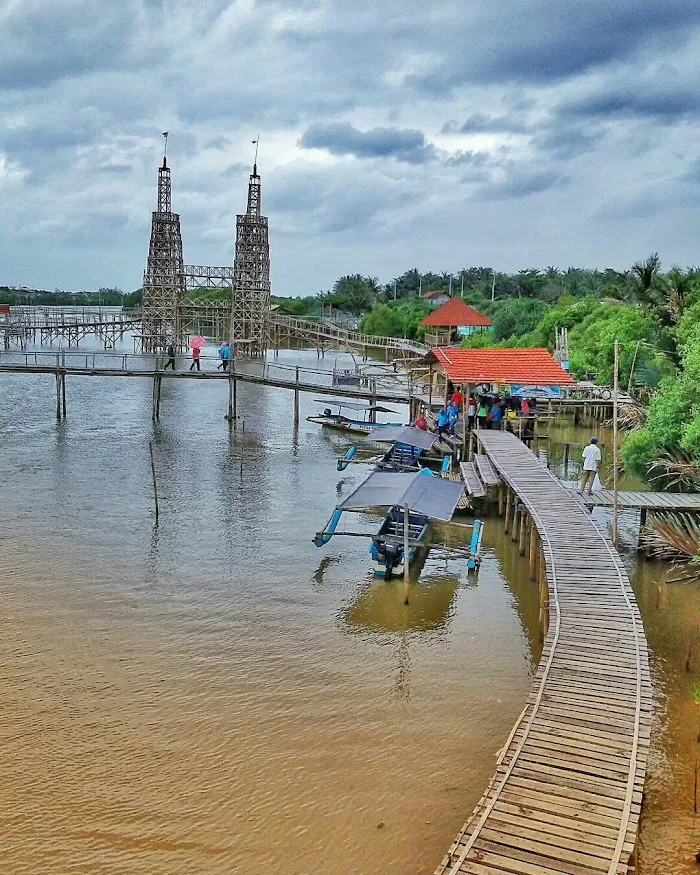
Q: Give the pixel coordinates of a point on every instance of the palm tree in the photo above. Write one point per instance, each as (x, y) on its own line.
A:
(646, 282)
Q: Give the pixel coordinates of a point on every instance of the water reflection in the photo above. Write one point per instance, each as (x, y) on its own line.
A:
(381, 605)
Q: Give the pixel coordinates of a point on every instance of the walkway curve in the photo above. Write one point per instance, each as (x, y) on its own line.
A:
(566, 796)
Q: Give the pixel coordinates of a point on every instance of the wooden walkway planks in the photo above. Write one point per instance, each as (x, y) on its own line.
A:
(669, 501)
(566, 795)
(485, 469)
(472, 483)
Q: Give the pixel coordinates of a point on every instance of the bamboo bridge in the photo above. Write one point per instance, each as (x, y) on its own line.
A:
(380, 385)
(567, 792)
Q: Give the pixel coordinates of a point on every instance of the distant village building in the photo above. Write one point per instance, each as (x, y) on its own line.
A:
(453, 320)
(436, 297)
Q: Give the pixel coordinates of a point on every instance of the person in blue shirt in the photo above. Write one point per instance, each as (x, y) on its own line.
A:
(224, 355)
(452, 414)
(496, 414)
(443, 421)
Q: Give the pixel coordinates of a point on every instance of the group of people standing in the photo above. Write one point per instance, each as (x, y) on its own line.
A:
(483, 411)
(224, 353)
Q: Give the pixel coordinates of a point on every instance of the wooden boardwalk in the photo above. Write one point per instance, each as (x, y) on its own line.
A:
(665, 501)
(567, 791)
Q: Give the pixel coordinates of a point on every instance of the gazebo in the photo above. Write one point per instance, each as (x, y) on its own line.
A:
(455, 318)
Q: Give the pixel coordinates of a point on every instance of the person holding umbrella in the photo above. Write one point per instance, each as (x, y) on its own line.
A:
(196, 343)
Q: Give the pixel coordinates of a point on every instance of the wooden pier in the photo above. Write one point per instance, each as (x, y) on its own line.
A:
(567, 792)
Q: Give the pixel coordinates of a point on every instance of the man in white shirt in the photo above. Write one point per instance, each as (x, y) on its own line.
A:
(591, 464)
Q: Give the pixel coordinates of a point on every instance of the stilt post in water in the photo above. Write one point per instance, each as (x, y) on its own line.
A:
(153, 474)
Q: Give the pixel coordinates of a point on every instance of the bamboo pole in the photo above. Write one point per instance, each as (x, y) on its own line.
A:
(521, 533)
(58, 395)
(406, 570)
(509, 503)
(296, 400)
(153, 474)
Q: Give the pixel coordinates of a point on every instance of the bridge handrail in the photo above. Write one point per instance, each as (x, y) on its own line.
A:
(129, 362)
(323, 327)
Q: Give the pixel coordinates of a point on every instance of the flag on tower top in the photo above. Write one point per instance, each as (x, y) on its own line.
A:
(165, 133)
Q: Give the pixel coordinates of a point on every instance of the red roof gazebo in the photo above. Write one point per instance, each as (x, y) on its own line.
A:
(453, 315)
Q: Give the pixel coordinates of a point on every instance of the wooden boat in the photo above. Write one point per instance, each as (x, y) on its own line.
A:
(387, 547)
(412, 500)
(407, 452)
(339, 421)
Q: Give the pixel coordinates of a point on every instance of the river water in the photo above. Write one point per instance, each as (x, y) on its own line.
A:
(217, 695)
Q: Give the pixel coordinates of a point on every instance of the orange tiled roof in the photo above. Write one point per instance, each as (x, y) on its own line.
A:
(454, 313)
(532, 367)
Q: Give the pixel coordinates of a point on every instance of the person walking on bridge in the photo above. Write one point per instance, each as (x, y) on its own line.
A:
(170, 352)
(591, 464)
(196, 351)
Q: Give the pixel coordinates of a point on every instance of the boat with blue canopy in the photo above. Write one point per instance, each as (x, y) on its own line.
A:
(411, 500)
(407, 453)
(355, 425)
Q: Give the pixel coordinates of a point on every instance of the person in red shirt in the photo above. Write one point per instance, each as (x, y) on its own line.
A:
(195, 358)
(457, 399)
(421, 422)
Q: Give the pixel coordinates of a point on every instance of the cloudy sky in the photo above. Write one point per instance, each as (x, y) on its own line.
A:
(394, 134)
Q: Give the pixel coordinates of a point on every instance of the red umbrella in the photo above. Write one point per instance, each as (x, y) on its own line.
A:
(198, 342)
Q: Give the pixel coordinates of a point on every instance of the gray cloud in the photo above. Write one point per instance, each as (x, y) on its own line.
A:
(479, 123)
(341, 138)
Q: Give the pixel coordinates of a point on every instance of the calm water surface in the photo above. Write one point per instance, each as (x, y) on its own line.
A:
(217, 695)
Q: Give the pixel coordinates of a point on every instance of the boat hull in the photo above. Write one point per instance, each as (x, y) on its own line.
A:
(351, 426)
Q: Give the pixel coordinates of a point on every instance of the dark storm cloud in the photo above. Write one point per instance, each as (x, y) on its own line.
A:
(635, 102)
(341, 138)
(550, 40)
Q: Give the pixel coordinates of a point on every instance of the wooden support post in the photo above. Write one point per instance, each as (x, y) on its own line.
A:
(153, 475)
(58, 395)
(296, 400)
(501, 498)
(521, 532)
(235, 402)
(509, 506)
(430, 387)
(63, 393)
(532, 555)
(159, 381)
(406, 570)
(515, 526)
(642, 523)
(229, 415)
(153, 399)
(466, 392)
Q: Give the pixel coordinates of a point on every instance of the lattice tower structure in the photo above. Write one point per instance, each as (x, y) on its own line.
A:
(163, 279)
(250, 303)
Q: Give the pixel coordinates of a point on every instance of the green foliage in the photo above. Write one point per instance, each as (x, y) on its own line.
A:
(397, 319)
(516, 316)
(673, 422)
(591, 343)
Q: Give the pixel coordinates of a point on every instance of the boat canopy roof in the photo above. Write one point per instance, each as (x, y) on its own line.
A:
(403, 434)
(427, 495)
(353, 405)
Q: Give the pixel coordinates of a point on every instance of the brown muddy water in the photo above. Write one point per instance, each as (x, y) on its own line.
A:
(216, 695)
